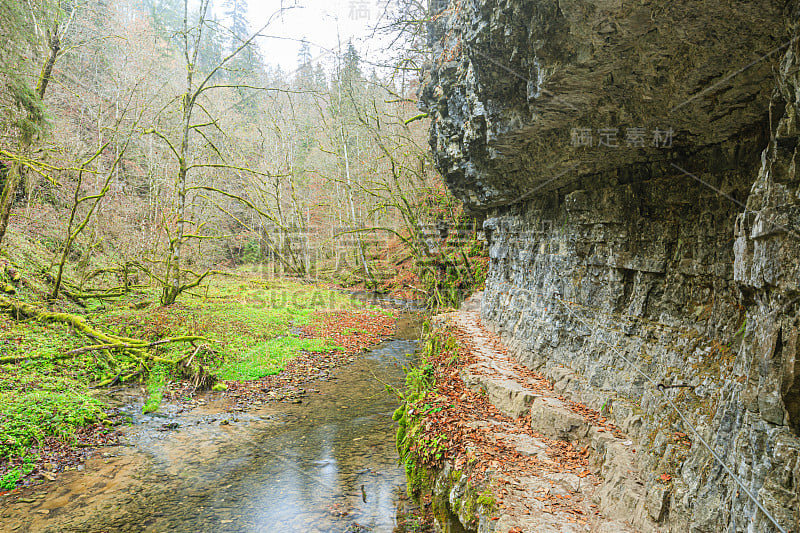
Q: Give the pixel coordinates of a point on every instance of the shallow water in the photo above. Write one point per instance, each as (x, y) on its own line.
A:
(328, 464)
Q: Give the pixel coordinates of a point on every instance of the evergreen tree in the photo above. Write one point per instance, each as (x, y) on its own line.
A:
(320, 78)
(349, 84)
(167, 15)
(22, 107)
(236, 13)
(304, 55)
(304, 78)
(248, 62)
(212, 47)
(351, 64)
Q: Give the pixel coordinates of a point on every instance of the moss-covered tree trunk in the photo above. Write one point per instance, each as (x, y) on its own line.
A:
(173, 285)
(134, 348)
(7, 198)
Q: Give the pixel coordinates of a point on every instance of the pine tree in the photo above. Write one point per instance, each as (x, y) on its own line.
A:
(349, 83)
(167, 15)
(351, 64)
(211, 49)
(305, 69)
(304, 55)
(236, 12)
(320, 78)
(248, 62)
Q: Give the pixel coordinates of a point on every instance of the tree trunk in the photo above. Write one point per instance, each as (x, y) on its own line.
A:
(68, 239)
(367, 273)
(172, 285)
(54, 44)
(7, 198)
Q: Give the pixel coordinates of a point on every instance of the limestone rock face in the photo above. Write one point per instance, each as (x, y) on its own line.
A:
(516, 81)
(629, 259)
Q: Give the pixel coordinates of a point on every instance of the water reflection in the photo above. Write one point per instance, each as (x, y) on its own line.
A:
(334, 474)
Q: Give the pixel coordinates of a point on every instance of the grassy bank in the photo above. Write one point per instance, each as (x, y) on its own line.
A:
(254, 327)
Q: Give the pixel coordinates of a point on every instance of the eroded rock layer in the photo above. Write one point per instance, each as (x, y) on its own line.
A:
(635, 164)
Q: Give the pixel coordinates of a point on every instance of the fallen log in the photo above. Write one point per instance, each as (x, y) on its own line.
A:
(135, 348)
(118, 346)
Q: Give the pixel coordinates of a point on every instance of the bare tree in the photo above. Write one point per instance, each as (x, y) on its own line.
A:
(177, 278)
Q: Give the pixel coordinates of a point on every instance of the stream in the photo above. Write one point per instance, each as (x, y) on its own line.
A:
(328, 464)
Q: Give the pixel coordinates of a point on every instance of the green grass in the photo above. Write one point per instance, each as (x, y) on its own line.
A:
(249, 320)
(10, 479)
(34, 339)
(155, 388)
(251, 323)
(44, 395)
(28, 416)
(236, 313)
(270, 357)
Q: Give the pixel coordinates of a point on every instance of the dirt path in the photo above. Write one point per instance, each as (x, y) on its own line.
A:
(541, 454)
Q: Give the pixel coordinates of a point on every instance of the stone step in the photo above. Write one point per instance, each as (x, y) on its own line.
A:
(552, 418)
(622, 492)
(510, 398)
(619, 493)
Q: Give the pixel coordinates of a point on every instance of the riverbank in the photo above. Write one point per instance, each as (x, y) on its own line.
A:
(266, 339)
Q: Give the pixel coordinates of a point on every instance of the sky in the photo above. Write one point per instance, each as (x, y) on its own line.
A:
(319, 21)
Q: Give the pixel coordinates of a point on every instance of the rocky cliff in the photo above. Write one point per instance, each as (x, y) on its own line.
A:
(635, 165)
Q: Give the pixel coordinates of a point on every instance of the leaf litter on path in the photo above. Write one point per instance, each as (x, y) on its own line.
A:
(483, 443)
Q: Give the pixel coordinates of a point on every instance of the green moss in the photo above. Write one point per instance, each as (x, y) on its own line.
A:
(155, 388)
(458, 271)
(250, 321)
(45, 393)
(269, 357)
(12, 477)
(419, 381)
(441, 509)
(415, 449)
(487, 500)
(473, 503)
(419, 480)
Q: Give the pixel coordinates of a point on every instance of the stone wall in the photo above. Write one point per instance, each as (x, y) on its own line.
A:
(681, 261)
